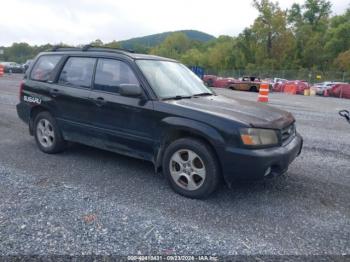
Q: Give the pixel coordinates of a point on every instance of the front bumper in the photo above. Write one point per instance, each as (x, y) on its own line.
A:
(245, 164)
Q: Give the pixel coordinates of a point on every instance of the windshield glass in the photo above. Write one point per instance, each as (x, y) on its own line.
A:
(172, 79)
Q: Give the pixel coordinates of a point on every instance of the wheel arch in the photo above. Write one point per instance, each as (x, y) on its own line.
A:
(33, 113)
(174, 128)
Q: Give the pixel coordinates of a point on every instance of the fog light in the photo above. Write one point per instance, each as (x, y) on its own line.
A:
(268, 171)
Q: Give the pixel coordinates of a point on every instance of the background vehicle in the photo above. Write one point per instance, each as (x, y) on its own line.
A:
(26, 65)
(215, 81)
(12, 67)
(298, 85)
(223, 82)
(276, 82)
(247, 83)
(321, 87)
(209, 79)
(340, 90)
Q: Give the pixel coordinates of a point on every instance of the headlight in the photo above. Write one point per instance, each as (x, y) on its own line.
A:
(258, 137)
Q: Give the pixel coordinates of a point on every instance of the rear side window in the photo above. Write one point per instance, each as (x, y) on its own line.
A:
(110, 74)
(44, 67)
(78, 72)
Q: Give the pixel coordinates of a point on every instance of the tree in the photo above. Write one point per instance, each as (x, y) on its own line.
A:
(18, 52)
(113, 44)
(309, 24)
(97, 42)
(274, 40)
(338, 35)
(316, 12)
(193, 57)
(342, 62)
(173, 46)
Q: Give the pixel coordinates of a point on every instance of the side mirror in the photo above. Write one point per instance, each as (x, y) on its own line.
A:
(130, 90)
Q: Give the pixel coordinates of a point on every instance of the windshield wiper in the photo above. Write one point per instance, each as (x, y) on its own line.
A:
(176, 97)
(204, 94)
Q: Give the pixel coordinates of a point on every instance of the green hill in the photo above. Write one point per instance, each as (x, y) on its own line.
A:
(156, 39)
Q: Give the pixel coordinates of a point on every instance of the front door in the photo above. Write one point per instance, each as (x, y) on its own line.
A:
(121, 123)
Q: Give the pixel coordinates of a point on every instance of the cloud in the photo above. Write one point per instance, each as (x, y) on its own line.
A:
(82, 21)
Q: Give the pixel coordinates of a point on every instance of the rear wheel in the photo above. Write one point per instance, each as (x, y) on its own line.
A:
(47, 134)
(191, 168)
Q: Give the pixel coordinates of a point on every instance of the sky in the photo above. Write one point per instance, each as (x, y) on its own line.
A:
(82, 21)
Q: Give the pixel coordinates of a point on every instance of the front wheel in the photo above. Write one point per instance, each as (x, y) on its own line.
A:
(191, 168)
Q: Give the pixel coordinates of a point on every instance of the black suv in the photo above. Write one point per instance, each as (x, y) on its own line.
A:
(156, 109)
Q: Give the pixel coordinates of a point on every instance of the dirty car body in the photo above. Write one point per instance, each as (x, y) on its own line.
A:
(145, 124)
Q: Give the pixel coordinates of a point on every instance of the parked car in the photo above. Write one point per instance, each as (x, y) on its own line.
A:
(156, 109)
(12, 67)
(27, 64)
(224, 82)
(321, 87)
(276, 83)
(209, 79)
(247, 83)
(340, 90)
(300, 86)
(215, 81)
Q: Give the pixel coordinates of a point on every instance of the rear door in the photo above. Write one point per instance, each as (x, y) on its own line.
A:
(122, 123)
(38, 82)
(71, 93)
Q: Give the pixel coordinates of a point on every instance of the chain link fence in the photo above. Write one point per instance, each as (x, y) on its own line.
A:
(312, 76)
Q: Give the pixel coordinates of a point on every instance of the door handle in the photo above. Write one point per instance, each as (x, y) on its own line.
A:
(54, 92)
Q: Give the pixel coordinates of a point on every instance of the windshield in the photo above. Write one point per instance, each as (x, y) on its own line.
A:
(172, 79)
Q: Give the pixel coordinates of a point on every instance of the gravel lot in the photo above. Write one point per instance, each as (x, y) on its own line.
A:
(88, 201)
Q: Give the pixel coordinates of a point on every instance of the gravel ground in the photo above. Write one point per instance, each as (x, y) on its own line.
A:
(89, 201)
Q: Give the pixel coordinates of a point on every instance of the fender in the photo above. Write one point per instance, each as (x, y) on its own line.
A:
(172, 125)
(35, 110)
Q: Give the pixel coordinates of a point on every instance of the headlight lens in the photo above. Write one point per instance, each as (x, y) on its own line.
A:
(258, 137)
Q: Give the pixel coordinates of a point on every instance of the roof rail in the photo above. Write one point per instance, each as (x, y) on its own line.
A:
(105, 48)
(63, 48)
(91, 48)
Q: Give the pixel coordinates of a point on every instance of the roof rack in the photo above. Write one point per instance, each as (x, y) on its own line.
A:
(91, 48)
(104, 48)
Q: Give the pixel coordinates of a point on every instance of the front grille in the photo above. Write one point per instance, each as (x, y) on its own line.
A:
(287, 132)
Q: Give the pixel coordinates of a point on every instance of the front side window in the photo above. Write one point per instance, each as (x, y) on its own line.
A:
(44, 67)
(171, 79)
(78, 72)
(110, 74)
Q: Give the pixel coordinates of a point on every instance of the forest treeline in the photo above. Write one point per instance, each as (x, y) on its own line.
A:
(303, 36)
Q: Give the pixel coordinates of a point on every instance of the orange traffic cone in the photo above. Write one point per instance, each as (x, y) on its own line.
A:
(263, 93)
(1, 70)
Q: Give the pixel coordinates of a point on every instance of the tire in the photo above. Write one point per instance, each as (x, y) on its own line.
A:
(184, 179)
(47, 135)
(254, 89)
(209, 82)
(231, 87)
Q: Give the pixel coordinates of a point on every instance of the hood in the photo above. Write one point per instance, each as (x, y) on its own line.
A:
(251, 113)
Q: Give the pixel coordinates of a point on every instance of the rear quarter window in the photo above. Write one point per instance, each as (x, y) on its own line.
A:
(44, 67)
